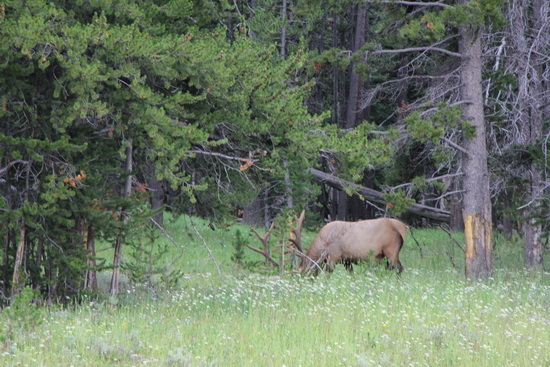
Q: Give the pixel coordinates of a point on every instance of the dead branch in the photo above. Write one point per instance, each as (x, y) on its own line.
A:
(207, 248)
(454, 145)
(12, 163)
(417, 243)
(452, 238)
(219, 155)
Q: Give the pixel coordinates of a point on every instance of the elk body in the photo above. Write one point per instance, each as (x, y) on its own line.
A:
(352, 242)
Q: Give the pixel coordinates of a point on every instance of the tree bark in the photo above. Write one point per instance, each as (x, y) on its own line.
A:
(157, 189)
(39, 258)
(253, 214)
(115, 279)
(283, 29)
(355, 79)
(19, 256)
(90, 279)
(351, 208)
(476, 199)
(537, 100)
(456, 222)
(289, 198)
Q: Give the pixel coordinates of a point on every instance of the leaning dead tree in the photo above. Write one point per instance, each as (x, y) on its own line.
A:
(377, 197)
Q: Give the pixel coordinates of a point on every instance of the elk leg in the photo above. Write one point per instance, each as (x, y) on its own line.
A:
(348, 264)
(380, 257)
(394, 263)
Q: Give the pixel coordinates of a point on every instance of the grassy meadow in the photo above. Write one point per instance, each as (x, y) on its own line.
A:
(222, 314)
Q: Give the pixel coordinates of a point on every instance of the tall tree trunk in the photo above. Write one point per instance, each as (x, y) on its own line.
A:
(38, 263)
(115, 279)
(336, 75)
(355, 79)
(288, 184)
(5, 262)
(288, 187)
(538, 101)
(283, 29)
(253, 214)
(157, 190)
(90, 280)
(455, 207)
(476, 202)
(353, 208)
(337, 78)
(19, 256)
(528, 19)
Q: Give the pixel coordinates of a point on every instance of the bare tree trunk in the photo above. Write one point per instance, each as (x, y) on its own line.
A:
(538, 101)
(19, 256)
(283, 30)
(352, 207)
(115, 279)
(253, 214)
(476, 199)
(529, 36)
(39, 257)
(455, 206)
(342, 200)
(533, 227)
(355, 79)
(336, 75)
(90, 280)
(5, 262)
(157, 190)
(288, 187)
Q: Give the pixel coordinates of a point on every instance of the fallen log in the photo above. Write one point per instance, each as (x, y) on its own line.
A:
(376, 196)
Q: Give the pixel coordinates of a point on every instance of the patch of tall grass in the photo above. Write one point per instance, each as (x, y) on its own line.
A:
(430, 316)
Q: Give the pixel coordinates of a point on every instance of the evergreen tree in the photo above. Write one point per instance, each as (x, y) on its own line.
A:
(100, 98)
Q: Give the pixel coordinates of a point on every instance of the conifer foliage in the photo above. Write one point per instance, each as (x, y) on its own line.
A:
(101, 99)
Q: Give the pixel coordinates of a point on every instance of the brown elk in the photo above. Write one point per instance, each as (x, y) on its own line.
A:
(351, 242)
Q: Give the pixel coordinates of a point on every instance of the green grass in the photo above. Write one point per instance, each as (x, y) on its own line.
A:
(430, 316)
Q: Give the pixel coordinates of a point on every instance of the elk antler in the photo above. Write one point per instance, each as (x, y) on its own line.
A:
(297, 240)
(263, 239)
